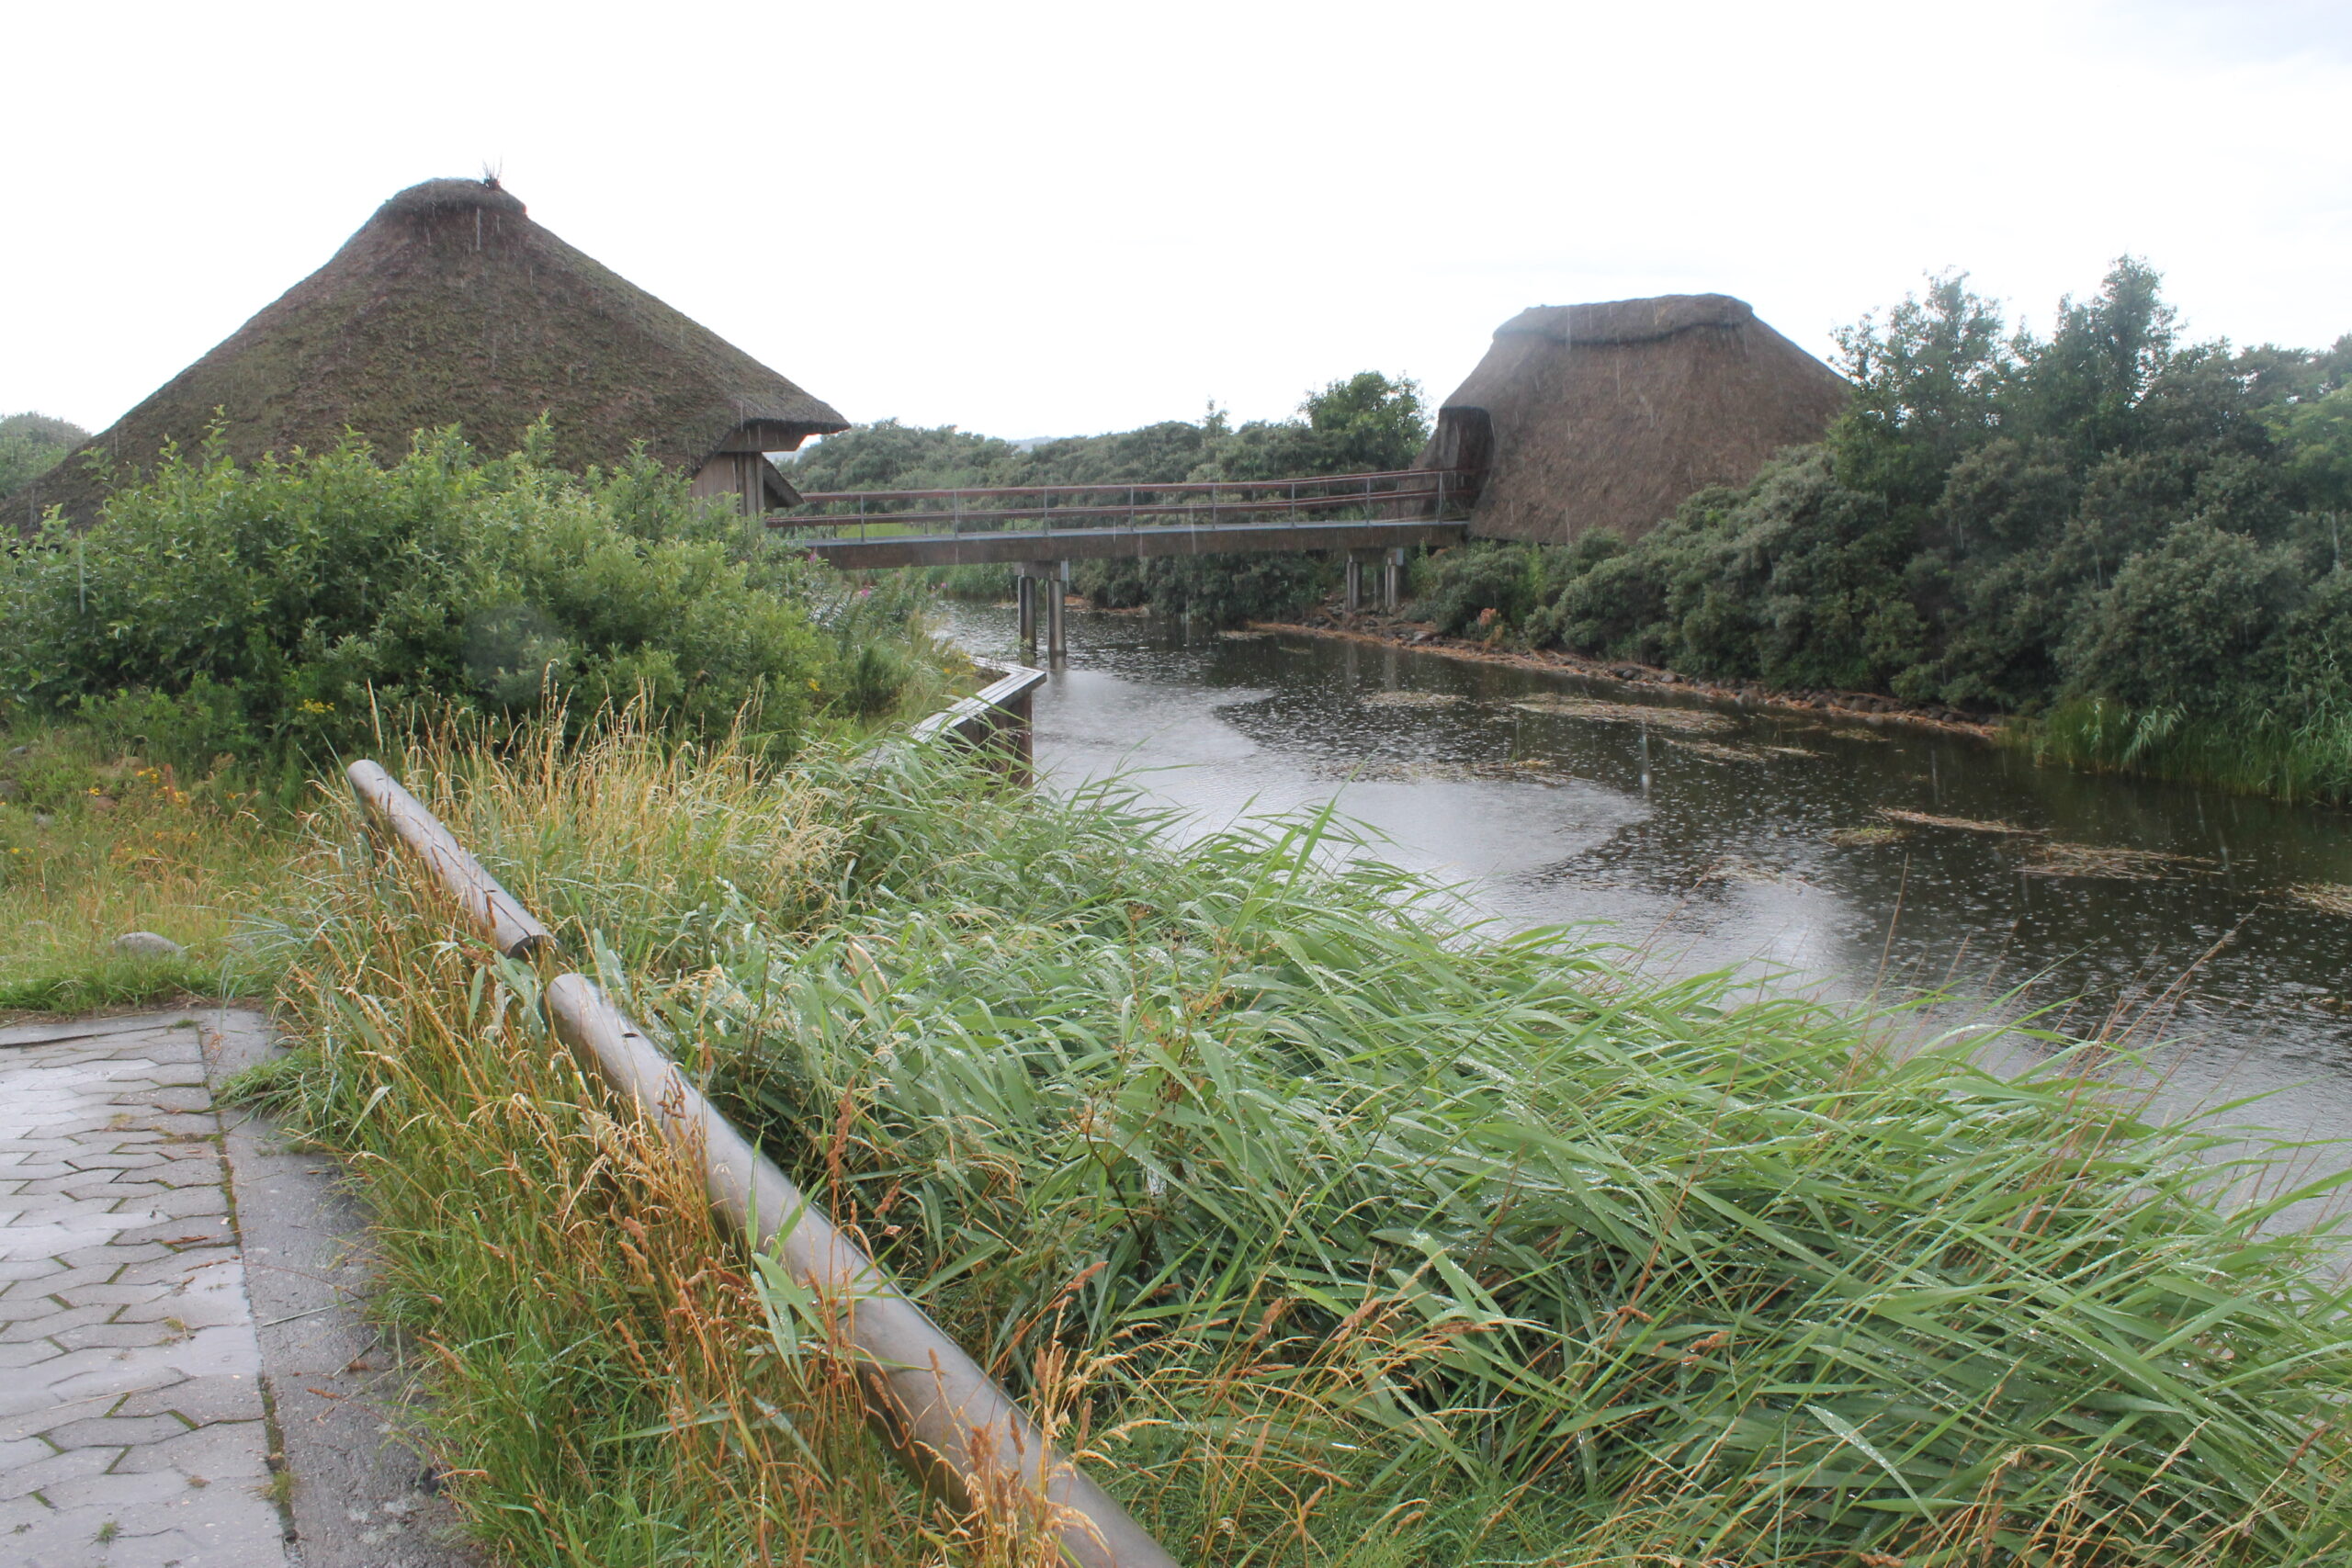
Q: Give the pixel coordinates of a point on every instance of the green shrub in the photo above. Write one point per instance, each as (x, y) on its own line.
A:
(288, 605)
(1464, 590)
(1216, 591)
(31, 444)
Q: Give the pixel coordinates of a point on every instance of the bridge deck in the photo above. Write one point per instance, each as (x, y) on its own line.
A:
(982, 527)
(1123, 543)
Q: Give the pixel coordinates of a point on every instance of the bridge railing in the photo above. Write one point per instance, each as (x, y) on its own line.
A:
(1403, 494)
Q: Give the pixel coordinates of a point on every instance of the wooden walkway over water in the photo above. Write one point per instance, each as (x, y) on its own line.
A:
(1039, 529)
(1006, 526)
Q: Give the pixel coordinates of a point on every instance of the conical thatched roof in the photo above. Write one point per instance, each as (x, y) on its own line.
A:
(449, 306)
(1608, 415)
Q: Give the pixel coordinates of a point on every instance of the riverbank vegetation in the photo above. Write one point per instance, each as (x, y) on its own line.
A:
(1330, 1232)
(1364, 423)
(176, 679)
(1327, 1231)
(2132, 541)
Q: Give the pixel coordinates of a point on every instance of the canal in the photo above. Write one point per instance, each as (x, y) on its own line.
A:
(1853, 859)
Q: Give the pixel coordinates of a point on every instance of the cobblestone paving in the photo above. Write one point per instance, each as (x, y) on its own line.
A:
(133, 1432)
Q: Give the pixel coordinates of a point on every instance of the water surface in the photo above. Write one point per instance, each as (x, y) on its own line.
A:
(1711, 837)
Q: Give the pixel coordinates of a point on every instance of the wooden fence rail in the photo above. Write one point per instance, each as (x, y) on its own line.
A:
(941, 1413)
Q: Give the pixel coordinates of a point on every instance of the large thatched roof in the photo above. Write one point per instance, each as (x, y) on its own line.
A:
(1608, 415)
(450, 305)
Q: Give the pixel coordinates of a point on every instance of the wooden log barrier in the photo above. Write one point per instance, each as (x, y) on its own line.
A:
(498, 912)
(944, 1416)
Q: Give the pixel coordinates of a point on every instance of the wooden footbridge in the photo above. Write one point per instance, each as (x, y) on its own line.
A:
(1039, 529)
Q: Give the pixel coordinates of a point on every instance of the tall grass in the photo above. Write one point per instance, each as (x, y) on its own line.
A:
(604, 1389)
(1379, 1239)
(1331, 1232)
(94, 844)
(2307, 758)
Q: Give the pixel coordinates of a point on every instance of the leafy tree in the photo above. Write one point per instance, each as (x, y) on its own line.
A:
(2316, 441)
(1927, 380)
(32, 444)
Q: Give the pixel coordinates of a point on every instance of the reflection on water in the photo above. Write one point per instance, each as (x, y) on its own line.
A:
(1713, 839)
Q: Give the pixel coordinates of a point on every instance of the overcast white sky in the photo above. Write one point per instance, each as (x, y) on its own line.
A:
(1041, 218)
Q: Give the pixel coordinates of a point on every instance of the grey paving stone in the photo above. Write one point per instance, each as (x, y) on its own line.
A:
(114, 1292)
(116, 1253)
(192, 1308)
(120, 1431)
(118, 1335)
(116, 1159)
(116, 1186)
(182, 1232)
(222, 1451)
(47, 1325)
(189, 1202)
(98, 1029)
(193, 1126)
(130, 1339)
(209, 1545)
(54, 1471)
(27, 1353)
(15, 1451)
(198, 1401)
(125, 1496)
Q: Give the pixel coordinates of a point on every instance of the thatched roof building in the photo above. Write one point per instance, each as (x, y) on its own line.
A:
(1608, 415)
(450, 305)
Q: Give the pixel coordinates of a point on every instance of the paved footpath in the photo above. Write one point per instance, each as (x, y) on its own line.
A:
(147, 1417)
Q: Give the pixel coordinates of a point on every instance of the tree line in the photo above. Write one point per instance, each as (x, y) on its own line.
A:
(2132, 541)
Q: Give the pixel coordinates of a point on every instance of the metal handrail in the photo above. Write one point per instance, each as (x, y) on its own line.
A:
(1194, 487)
(964, 520)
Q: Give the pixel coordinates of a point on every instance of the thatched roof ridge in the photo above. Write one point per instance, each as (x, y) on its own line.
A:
(429, 199)
(1607, 415)
(1628, 321)
(450, 305)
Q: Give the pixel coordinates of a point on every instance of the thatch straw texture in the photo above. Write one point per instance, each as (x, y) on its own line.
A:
(450, 305)
(1607, 415)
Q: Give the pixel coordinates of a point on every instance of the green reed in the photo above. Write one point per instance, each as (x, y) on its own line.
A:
(2305, 757)
(1328, 1229)
(1370, 1236)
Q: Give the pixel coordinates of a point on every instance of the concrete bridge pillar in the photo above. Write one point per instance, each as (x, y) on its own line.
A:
(1048, 579)
(1392, 567)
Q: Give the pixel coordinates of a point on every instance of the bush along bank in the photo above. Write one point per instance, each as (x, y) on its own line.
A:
(2127, 547)
(170, 677)
(1327, 1231)
(289, 608)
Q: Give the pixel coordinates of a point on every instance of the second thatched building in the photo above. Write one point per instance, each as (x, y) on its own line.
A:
(1608, 415)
